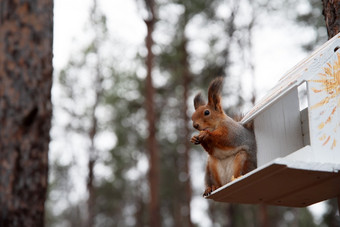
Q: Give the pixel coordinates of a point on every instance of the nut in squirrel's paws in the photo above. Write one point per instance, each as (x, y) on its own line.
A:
(195, 140)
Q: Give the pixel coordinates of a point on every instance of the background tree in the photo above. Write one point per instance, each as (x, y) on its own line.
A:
(26, 31)
(331, 11)
(99, 90)
(99, 24)
(152, 144)
(312, 18)
(83, 96)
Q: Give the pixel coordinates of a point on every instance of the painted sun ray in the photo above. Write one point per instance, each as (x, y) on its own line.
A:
(327, 86)
(327, 140)
(333, 144)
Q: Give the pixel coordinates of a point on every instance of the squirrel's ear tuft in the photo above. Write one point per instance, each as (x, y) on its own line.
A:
(214, 94)
(198, 101)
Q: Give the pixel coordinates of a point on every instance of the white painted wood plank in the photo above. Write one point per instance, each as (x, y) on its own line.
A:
(307, 158)
(278, 129)
(324, 110)
(305, 126)
(277, 184)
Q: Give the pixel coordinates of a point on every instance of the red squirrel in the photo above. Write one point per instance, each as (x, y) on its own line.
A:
(231, 147)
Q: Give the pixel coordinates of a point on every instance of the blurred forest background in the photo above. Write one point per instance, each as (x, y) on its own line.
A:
(120, 152)
(129, 119)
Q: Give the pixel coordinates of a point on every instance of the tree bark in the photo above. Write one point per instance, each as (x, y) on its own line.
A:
(26, 34)
(331, 12)
(93, 152)
(154, 181)
(90, 190)
(186, 81)
(263, 215)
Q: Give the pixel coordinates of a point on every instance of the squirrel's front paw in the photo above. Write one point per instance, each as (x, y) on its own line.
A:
(208, 190)
(195, 140)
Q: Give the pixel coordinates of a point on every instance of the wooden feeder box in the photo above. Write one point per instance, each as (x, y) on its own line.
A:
(298, 151)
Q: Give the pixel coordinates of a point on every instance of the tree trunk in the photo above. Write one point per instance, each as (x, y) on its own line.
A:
(91, 199)
(263, 215)
(93, 152)
(331, 12)
(154, 213)
(186, 80)
(26, 32)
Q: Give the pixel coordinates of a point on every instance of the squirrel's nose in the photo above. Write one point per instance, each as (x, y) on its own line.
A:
(196, 125)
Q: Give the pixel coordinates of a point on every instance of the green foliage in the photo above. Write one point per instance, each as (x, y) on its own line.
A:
(128, 157)
(59, 185)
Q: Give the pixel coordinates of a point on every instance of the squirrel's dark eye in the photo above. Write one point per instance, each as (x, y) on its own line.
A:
(206, 112)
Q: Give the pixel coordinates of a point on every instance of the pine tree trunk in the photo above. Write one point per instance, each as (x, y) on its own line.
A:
(91, 199)
(154, 213)
(331, 12)
(263, 216)
(186, 80)
(93, 152)
(26, 32)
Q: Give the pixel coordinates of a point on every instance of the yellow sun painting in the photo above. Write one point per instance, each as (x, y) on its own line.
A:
(328, 85)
